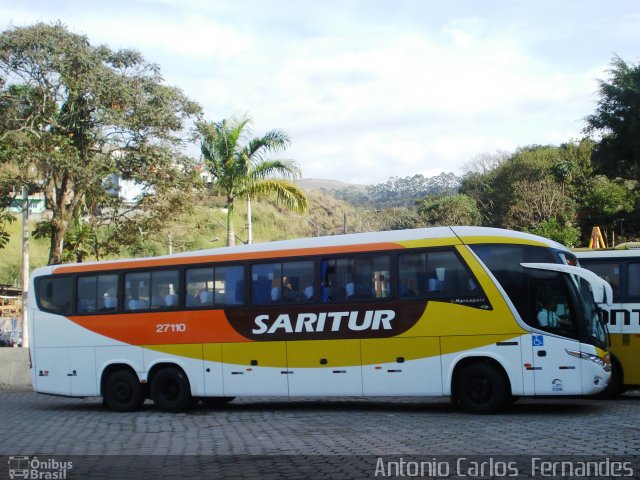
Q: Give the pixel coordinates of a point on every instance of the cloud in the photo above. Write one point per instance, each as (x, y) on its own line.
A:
(372, 90)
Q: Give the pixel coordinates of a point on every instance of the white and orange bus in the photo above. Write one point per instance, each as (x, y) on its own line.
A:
(428, 312)
(621, 268)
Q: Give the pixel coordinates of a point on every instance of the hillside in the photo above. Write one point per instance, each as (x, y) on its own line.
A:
(313, 184)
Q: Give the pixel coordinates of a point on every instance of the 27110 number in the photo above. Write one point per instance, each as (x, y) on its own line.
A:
(171, 328)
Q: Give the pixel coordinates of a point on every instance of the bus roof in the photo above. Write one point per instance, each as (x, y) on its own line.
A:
(318, 245)
(607, 253)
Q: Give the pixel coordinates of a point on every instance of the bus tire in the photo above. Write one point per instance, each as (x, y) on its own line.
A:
(616, 384)
(170, 390)
(481, 388)
(123, 391)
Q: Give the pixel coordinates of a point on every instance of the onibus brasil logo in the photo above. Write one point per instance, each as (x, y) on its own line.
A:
(36, 469)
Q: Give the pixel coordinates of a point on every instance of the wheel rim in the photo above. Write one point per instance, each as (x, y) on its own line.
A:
(170, 390)
(479, 390)
(122, 391)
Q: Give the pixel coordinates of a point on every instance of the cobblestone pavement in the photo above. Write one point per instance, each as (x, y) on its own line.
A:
(302, 436)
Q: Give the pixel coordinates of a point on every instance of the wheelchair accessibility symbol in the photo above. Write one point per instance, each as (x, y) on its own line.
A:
(538, 340)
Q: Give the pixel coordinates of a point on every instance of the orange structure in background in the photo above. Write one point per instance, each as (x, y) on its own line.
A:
(596, 241)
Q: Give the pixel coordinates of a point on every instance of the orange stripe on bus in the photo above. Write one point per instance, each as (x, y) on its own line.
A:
(163, 328)
(188, 260)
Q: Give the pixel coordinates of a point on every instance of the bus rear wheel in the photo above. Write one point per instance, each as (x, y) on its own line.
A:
(170, 390)
(123, 391)
(481, 388)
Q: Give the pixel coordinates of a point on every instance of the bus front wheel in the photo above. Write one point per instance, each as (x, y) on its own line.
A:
(615, 387)
(481, 388)
(170, 390)
(123, 391)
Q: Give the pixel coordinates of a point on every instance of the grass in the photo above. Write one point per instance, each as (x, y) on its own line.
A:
(11, 254)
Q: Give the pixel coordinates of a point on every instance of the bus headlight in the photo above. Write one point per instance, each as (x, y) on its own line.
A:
(604, 363)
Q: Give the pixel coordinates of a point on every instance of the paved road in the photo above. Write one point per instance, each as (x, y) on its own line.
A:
(306, 438)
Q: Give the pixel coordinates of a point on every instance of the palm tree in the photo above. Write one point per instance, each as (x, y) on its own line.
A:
(241, 171)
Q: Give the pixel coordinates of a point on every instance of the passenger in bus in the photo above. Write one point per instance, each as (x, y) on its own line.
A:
(110, 299)
(406, 291)
(159, 300)
(289, 294)
(547, 316)
(171, 299)
(193, 296)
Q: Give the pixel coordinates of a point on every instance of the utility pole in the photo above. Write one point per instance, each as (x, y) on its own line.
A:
(249, 222)
(25, 264)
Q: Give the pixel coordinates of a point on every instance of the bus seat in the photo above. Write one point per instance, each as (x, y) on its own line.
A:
(308, 292)
(275, 294)
(136, 304)
(206, 297)
(351, 289)
(171, 299)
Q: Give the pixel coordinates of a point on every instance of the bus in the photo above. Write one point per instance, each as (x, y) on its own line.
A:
(621, 268)
(445, 311)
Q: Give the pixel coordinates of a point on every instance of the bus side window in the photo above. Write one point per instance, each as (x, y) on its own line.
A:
(435, 274)
(609, 271)
(633, 274)
(107, 288)
(97, 293)
(281, 282)
(86, 294)
(164, 289)
(54, 294)
(137, 291)
(356, 278)
(229, 285)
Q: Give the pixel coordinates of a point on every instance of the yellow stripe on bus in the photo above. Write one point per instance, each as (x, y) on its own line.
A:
(331, 353)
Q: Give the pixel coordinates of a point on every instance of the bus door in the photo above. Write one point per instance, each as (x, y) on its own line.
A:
(556, 371)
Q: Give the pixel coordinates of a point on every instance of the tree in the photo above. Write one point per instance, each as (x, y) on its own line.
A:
(565, 234)
(449, 210)
(536, 202)
(241, 171)
(404, 192)
(617, 119)
(496, 190)
(74, 115)
(607, 202)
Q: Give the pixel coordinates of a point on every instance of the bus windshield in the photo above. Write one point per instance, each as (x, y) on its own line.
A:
(556, 302)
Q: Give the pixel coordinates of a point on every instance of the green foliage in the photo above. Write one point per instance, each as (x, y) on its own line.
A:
(565, 234)
(241, 171)
(449, 210)
(536, 202)
(397, 219)
(610, 197)
(11, 254)
(617, 120)
(73, 115)
(5, 219)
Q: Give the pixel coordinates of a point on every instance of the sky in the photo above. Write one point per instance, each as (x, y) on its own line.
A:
(370, 89)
